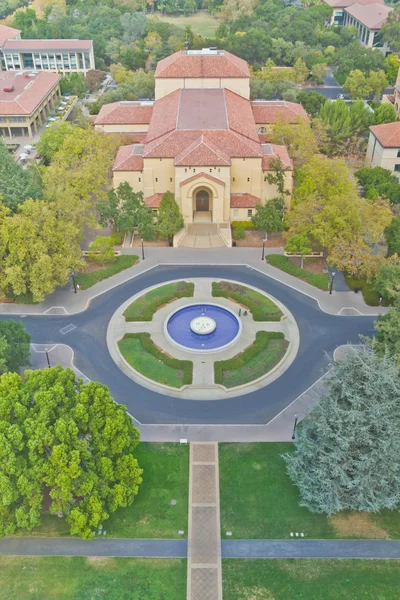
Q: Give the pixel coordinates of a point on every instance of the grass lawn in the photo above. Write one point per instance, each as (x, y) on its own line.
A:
(151, 515)
(140, 352)
(202, 23)
(258, 500)
(86, 280)
(371, 297)
(305, 579)
(144, 307)
(319, 280)
(261, 307)
(91, 578)
(261, 357)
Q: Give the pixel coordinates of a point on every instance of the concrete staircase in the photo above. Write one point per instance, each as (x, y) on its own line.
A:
(202, 235)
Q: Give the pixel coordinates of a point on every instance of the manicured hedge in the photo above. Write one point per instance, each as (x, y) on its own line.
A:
(261, 307)
(319, 280)
(144, 307)
(183, 368)
(86, 280)
(245, 224)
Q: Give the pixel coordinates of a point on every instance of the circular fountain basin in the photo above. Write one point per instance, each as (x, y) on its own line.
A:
(203, 325)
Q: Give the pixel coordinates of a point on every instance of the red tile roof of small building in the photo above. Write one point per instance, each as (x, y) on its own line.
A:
(129, 158)
(388, 134)
(202, 63)
(202, 152)
(26, 91)
(372, 16)
(200, 176)
(271, 151)
(8, 33)
(244, 201)
(154, 200)
(44, 45)
(124, 113)
(346, 3)
(266, 112)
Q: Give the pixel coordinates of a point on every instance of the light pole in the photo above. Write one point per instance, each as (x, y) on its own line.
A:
(48, 360)
(331, 285)
(263, 249)
(73, 280)
(142, 240)
(294, 428)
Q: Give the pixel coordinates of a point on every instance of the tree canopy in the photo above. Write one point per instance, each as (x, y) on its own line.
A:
(16, 183)
(379, 182)
(68, 440)
(125, 210)
(169, 218)
(14, 346)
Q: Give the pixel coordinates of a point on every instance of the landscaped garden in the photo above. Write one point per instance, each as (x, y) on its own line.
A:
(144, 356)
(266, 352)
(310, 579)
(86, 279)
(144, 307)
(260, 306)
(282, 262)
(367, 289)
(86, 578)
(258, 500)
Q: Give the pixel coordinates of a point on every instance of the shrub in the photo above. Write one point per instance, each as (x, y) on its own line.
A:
(319, 280)
(244, 224)
(239, 233)
(102, 250)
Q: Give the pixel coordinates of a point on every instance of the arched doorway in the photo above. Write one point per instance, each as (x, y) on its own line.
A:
(202, 200)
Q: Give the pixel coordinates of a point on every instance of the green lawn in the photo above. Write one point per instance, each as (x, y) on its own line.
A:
(202, 23)
(141, 353)
(258, 500)
(144, 307)
(86, 280)
(267, 350)
(165, 478)
(319, 280)
(371, 297)
(305, 579)
(261, 307)
(91, 578)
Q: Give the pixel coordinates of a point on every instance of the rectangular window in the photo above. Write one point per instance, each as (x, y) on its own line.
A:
(194, 170)
(250, 212)
(139, 179)
(170, 179)
(233, 180)
(248, 180)
(235, 212)
(156, 179)
(210, 170)
(265, 178)
(397, 168)
(398, 153)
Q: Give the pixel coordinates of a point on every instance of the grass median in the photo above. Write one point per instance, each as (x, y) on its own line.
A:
(268, 349)
(144, 356)
(144, 307)
(125, 261)
(260, 306)
(282, 262)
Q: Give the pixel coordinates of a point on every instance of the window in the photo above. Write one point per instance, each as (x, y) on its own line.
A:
(219, 170)
(248, 180)
(154, 211)
(211, 169)
(139, 179)
(398, 153)
(194, 170)
(185, 170)
(156, 179)
(233, 180)
(397, 168)
(170, 179)
(262, 130)
(235, 212)
(250, 212)
(265, 178)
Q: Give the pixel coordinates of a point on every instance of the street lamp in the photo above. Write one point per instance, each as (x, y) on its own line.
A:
(47, 356)
(294, 428)
(263, 250)
(73, 280)
(331, 285)
(142, 240)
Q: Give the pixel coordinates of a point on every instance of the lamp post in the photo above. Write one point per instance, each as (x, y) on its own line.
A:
(48, 360)
(73, 281)
(331, 284)
(142, 240)
(294, 428)
(263, 249)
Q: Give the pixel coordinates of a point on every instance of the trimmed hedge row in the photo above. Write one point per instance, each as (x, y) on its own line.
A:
(319, 280)
(244, 224)
(125, 261)
(186, 366)
(145, 306)
(261, 307)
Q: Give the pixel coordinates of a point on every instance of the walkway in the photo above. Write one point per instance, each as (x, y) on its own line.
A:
(204, 581)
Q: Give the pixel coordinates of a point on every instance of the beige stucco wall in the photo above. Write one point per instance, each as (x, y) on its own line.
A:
(159, 174)
(123, 128)
(270, 191)
(219, 204)
(246, 176)
(238, 85)
(134, 178)
(241, 214)
(377, 156)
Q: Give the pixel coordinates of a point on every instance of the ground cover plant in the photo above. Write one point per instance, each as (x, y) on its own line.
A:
(268, 349)
(261, 307)
(371, 297)
(144, 307)
(86, 280)
(142, 354)
(319, 280)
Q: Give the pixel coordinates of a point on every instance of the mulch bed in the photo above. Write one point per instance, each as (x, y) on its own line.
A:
(254, 239)
(315, 265)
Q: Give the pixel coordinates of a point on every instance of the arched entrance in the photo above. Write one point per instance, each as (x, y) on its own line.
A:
(202, 201)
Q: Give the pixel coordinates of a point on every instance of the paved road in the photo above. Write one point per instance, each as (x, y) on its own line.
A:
(320, 333)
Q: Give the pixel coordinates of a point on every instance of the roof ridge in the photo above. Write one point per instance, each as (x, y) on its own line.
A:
(245, 139)
(233, 62)
(189, 149)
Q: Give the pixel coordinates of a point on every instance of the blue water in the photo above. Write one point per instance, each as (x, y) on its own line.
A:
(179, 327)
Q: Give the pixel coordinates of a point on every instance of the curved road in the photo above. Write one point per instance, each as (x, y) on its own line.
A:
(320, 334)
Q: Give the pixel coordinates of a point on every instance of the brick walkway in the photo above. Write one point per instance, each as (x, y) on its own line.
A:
(204, 544)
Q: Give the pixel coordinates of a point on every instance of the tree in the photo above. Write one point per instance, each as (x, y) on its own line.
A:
(357, 85)
(169, 218)
(234, 9)
(93, 80)
(392, 236)
(319, 72)
(14, 346)
(101, 250)
(377, 82)
(73, 84)
(134, 26)
(268, 217)
(125, 210)
(311, 101)
(392, 68)
(385, 113)
(299, 139)
(390, 30)
(387, 282)
(299, 244)
(16, 183)
(67, 437)
(387, 338)
(53, 138)
(356, 258)
(377, 182)
(301, 71)
(347, 452)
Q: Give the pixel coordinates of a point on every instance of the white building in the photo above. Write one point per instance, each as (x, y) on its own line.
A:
(384, 147)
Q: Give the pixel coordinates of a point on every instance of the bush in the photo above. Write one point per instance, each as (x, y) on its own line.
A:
(102, 250)
(319, 280)
(244, 224)
(239, 233)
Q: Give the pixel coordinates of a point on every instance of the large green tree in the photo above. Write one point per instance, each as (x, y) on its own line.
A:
(125, 210)
(69, 439)
(390, 30)
(169, 218)
(387, 282)
(14, 349)
(392, 236)
(269, 216)
(16, 183)
(379, 182)
(387, 337)
(347, 454)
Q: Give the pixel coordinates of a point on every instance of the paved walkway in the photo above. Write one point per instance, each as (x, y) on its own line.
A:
(204, 581)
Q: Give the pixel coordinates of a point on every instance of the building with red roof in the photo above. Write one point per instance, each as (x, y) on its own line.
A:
(384, 147)
(201, 141)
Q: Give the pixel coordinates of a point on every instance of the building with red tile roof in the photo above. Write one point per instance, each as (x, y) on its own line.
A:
(202, 142)
(124, 117)
(8, 33)
(26, 99)
(384, 147)
(268, 112)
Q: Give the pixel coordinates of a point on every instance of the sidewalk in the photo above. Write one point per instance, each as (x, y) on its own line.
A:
(64, 301)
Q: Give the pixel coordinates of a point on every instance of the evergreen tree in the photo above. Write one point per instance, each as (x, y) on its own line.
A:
(269, 217)
(387, 338)
(169, 218)
(392, 236)
(126, 210)
(347, 454)
(16, 184)
(14, 349)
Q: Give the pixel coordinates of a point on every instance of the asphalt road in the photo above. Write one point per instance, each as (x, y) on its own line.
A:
(320, 334)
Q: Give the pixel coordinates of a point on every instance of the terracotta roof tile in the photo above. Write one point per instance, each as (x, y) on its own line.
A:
(201, 175)
(199, 64)
(8, 33)
(270, 112)
(26, 92)
(388, 134)
(372, 16)
(124, 113)
(154, 200)
(164, 116)
(273, 151)
(52, 45)
(346, 3)
(129, 158)
(244, 201)
(202, 153)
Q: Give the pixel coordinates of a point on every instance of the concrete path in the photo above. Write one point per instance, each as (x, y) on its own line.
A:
(204, 581)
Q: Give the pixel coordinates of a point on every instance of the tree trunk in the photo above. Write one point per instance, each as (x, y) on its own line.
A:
(302, 261)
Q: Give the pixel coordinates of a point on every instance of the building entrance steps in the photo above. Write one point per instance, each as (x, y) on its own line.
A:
(204, 539)
(202, 235)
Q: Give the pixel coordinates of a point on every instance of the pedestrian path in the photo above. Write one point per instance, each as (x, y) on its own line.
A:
(204, 581)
